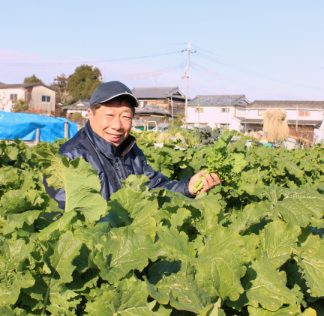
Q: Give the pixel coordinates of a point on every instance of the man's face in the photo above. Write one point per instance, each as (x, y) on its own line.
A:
(112, 121)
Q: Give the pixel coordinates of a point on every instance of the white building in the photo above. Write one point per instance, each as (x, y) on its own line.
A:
(80, 106)
(308, 113)
(217, 111)
(38, 96)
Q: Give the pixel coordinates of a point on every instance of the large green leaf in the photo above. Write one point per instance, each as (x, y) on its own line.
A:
(57, 271)
(279, 240)
(221, 264)
(123, 251)
(15, 221)
(175, 244)
(251, 214)
(65, 250)
(311, 260)
(128, 207)
(13, 276)
(182, 292)
(265, 286)
(301, 207)
(80, 182)
(129, 298)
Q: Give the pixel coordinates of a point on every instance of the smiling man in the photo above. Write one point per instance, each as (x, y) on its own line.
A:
(105, 142)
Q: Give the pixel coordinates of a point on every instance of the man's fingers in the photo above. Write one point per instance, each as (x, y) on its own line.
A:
(201, 173)
(215, 178)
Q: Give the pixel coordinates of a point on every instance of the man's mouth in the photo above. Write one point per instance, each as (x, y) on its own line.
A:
(116, 137)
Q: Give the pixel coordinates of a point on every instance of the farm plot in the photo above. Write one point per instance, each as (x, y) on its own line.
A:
(252, 246)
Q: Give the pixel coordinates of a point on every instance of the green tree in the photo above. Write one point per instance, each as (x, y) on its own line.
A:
(32, 79)
(20, 106)
(82, 83)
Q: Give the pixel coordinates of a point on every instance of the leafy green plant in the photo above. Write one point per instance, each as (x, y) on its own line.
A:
(224, 163)
(252, 246)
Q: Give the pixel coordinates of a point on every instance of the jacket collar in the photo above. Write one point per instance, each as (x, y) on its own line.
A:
(109, 149)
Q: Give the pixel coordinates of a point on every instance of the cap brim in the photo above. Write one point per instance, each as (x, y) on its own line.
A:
(132, 98)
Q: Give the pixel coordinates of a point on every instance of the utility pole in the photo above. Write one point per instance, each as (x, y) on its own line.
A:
(187, 75)
(297, 118)
(198, 112)
(172, 108)
(226, 116)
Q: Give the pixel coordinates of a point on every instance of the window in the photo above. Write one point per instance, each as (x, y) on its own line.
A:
(261, 112)
(13, 97)
(225, 110)
(46, 98)
(201, 110)
(303, 113)
(223, 125)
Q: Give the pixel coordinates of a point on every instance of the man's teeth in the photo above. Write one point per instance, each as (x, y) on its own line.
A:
(114, 136)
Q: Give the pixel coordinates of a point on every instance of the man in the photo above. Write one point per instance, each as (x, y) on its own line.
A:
(106, 143)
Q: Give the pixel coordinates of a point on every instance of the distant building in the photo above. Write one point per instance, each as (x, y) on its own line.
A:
(38, 96)
(161, 96)
(308, 113)
(80, 106)
(145, 117)
(223, 111)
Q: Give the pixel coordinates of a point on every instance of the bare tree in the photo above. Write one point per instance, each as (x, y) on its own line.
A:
(4, 100)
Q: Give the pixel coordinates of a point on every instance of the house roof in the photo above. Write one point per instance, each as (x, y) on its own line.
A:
(23, 85)
(79, 105)
(2, 82)
(158, 93)
(220, 100)
(152, 109)
(290, 122)
(277, 104)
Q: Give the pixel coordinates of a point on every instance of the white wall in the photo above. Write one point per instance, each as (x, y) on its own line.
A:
(213, 116)
(291, 114)
(36, 99)
(5, 102)
(240, 111)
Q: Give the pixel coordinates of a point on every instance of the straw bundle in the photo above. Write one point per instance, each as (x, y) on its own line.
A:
(275, 122)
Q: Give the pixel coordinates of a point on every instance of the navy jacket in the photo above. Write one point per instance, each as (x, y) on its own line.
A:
(114, 163)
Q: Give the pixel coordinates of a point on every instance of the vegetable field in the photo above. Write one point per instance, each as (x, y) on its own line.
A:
(252, 246)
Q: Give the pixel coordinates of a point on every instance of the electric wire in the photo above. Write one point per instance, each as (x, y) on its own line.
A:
(86, 61)
(155, 73)
(257, 74)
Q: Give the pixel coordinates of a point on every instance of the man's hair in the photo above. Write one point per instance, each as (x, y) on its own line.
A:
(120, 100)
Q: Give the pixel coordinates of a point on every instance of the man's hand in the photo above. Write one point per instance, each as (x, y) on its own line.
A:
(209, 182)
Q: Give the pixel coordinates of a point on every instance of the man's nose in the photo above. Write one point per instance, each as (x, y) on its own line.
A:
(116, 123)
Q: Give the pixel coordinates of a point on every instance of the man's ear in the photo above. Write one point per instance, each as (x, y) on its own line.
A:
(90, 114)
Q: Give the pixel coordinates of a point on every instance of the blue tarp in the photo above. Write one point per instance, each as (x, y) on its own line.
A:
(23, 126)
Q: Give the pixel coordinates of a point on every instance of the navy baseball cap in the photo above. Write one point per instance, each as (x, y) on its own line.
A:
(110, 90)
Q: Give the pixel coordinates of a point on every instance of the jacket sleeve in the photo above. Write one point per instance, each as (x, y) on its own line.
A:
(158, 180)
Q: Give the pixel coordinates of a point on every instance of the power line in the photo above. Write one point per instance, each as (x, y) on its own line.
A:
(154, 73)
(257, 74)
(86, 61)
(205, 71)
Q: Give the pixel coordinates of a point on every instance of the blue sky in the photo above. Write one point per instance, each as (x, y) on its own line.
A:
(270, 50)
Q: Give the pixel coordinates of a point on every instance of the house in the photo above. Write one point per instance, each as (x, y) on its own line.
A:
(80, 106)
(161, 96)
(38, 96)
(308, 113)
(145, 117)
(217, 111)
